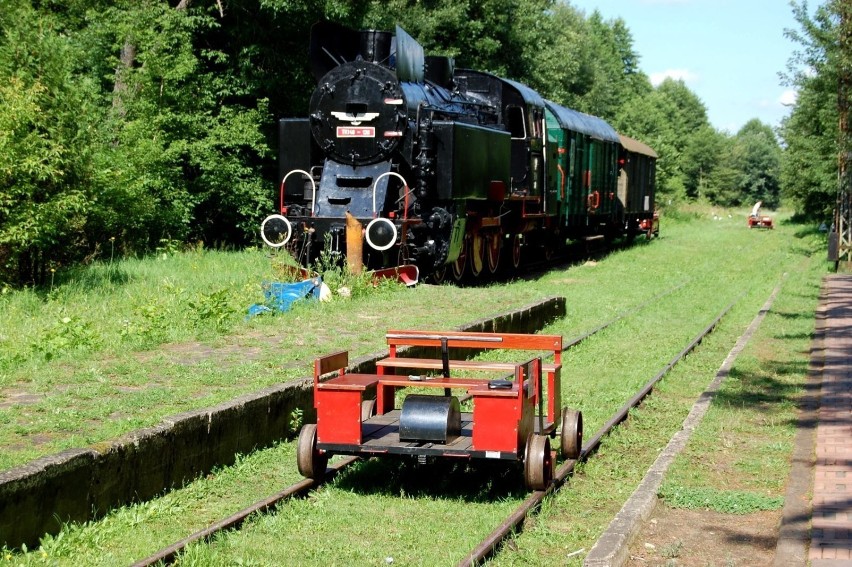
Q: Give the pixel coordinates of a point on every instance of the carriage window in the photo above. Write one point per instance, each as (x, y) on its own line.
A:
(535, 123)
(515, 122)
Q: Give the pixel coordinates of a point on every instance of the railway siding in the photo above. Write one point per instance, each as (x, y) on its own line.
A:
(612, 546)
(81, 484)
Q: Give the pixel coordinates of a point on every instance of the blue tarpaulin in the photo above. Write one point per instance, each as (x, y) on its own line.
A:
(280, 296)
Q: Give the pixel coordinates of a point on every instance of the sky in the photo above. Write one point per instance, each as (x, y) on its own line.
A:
(728, 52)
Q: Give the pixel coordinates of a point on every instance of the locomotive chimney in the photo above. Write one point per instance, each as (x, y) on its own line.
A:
(376, 46)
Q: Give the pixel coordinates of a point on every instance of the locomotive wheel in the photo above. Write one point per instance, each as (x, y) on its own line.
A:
(549, 252)
(460, 263)
(516, 251)
(538, 462)
(477, 255)
(310, 462)
(368, 409)
(571, 438)
(492, 252)
(439, 275)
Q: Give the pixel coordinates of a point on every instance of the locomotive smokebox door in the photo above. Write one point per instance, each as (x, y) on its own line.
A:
(429, 418)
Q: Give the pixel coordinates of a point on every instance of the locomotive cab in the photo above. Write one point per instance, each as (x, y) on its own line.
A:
(521, 112)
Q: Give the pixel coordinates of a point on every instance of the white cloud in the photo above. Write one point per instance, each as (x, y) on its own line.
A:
(684, 75)
(788, 97)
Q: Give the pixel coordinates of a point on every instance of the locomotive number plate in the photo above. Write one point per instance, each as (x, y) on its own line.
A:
(349, 132)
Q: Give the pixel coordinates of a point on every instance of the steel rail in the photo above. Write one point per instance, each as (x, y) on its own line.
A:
(577, 340)
(168, 554)
(514, 522)
(622, 315)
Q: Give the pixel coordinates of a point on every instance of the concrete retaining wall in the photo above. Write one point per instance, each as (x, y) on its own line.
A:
(78, 485)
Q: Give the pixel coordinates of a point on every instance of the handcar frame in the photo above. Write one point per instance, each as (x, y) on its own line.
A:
(503, 424)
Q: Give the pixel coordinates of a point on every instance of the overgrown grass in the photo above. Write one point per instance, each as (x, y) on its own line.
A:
(724, 501)
(118, 346)
(437, 513)
(738, 460)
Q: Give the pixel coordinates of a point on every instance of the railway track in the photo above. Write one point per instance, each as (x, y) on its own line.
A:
(490, 544)
(512, 524)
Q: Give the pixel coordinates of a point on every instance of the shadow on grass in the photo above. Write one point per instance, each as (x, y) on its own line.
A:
(93, 278)
(794, 336)
(479, 481)
(761, 391)
(805, 229)
(799, 315)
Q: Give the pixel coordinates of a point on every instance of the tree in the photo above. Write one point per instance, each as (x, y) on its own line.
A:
(140, 121)
(500, 36)
(757, 155)
(47, 119)
(611, 75)
(673, 121)
(811, 132)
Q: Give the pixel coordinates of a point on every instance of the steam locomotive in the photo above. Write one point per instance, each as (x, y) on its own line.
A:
(405, 159)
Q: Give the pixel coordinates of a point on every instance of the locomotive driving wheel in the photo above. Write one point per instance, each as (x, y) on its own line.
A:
(549, 252)
(477, 254)
(310, 462)
(492, 252)
(538, 462)
(516, 250)
(460, 263)
(439, 275)
(571, 438)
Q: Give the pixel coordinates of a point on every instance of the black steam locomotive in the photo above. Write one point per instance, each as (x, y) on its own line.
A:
(405, 159)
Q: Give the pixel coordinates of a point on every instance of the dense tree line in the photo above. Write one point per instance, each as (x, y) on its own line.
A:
(127, 124)
(812, 135)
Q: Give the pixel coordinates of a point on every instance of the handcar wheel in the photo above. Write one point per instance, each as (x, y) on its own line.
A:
(310, 461)
(492, 252)
(571, 438)
(538, 462)
(477, 255)
(368, 409)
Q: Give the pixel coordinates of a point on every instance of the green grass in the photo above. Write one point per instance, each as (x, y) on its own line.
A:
(724, 501)
(438, 513)
(739, 457)
(156, 342)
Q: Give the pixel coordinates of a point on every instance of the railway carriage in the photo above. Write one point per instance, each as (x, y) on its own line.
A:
(404, 159)
(587, 148)
(637, 164)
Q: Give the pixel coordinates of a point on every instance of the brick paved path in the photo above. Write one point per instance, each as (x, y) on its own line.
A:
(831, 526)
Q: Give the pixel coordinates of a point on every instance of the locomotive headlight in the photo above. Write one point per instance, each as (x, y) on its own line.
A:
(380, 234)
(276, 230)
